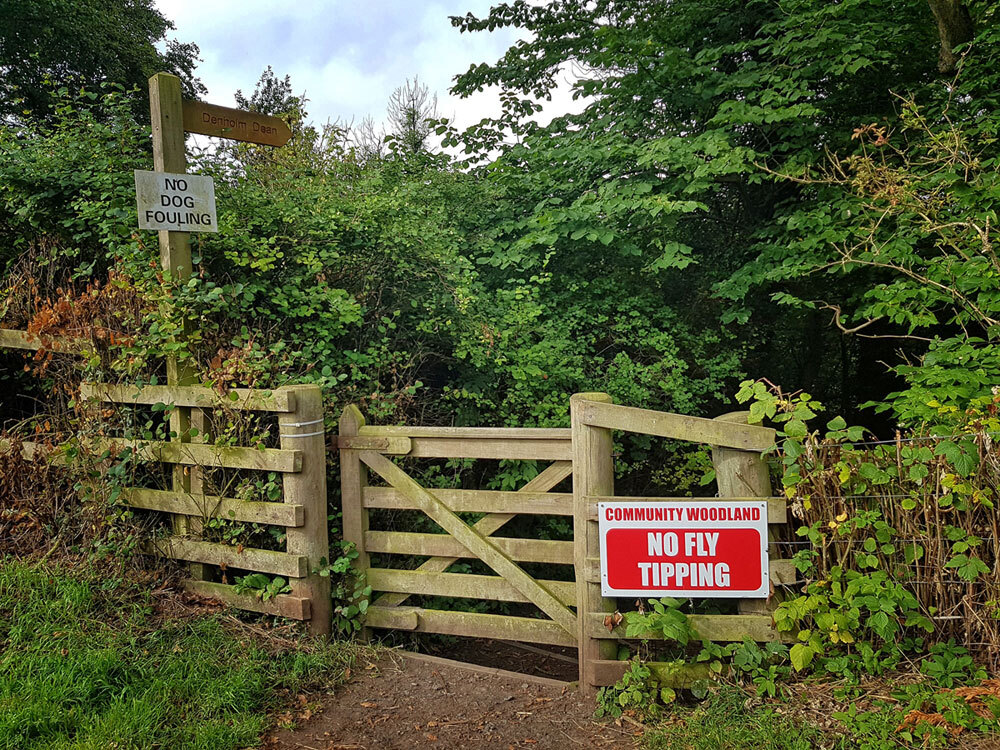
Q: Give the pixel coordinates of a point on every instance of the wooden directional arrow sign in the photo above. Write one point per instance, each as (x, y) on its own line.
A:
(235, 124)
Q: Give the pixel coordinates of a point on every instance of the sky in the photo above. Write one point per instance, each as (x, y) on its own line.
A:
(347, 56)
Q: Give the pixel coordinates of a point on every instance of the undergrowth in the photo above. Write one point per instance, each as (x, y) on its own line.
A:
(86, 662)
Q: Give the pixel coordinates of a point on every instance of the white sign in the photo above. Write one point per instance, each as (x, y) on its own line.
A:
(177, 202)
(710, 548)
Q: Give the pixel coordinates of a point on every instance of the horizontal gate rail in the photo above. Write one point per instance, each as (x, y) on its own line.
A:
(677, 426)
(471, 624)
(464, 442)
(476, 501)
(462, 585)
(444, 546)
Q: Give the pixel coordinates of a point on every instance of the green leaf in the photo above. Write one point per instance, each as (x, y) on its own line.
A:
(801, 655)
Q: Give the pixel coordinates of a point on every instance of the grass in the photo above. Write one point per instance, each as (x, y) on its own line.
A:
(723, 721)
(85, 664)
(726, 721)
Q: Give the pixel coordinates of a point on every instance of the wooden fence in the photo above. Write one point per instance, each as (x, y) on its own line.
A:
(570, 613)
(300, 459)
(566, 610)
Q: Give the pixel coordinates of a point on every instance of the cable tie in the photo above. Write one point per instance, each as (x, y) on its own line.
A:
(307, 434)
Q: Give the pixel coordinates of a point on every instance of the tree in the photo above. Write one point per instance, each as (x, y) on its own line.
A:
(45, 44)
(273, 96)
(410, 107)
(678, 167)
(955, 28)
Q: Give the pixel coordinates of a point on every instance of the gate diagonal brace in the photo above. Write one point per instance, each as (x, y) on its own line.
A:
(472, 540)
(487, 525)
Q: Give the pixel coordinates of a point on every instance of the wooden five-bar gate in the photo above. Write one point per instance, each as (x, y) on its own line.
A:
(569, 612)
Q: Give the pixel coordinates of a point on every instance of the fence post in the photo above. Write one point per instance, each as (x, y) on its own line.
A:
(593, 474)
(353, 480)
(166, 120)
(303, 430)
(743, 474)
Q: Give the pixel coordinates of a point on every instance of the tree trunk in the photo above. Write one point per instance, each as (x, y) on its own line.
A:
(955, 27)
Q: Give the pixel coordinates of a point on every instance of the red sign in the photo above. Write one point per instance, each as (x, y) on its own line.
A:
(703, 549)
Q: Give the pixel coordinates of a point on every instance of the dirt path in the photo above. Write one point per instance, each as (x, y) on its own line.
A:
(402, 703)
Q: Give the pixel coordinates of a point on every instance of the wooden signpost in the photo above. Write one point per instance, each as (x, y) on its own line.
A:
(170, 117)
(235, 124)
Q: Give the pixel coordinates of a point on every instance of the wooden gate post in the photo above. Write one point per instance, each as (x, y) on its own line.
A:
(593, 474)
(167, 121)
(353, 480)
(743, 474)
(303, 430)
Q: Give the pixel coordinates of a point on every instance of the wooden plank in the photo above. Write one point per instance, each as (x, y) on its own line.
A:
(477, 501)
(724, 628)
(468, 433)
(213, 506)
(397, 446)
(211, 553)
(777, 507)
(677, 426)
(501, 448)
(546, 480)
(478, 669)
(280, 400)
(210, 456)
(302, 430)
(472, 624)
(31, 450)
(353, 483)
(593, 474)
(443, 545)
(234, 124)
(474, 541)
(11, 339)
(283, 605)
(462, 585)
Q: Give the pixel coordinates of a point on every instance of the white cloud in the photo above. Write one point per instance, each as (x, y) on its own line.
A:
(347, 56)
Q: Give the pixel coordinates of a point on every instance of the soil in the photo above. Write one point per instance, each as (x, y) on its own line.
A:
(402, 702)
(556, 662)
